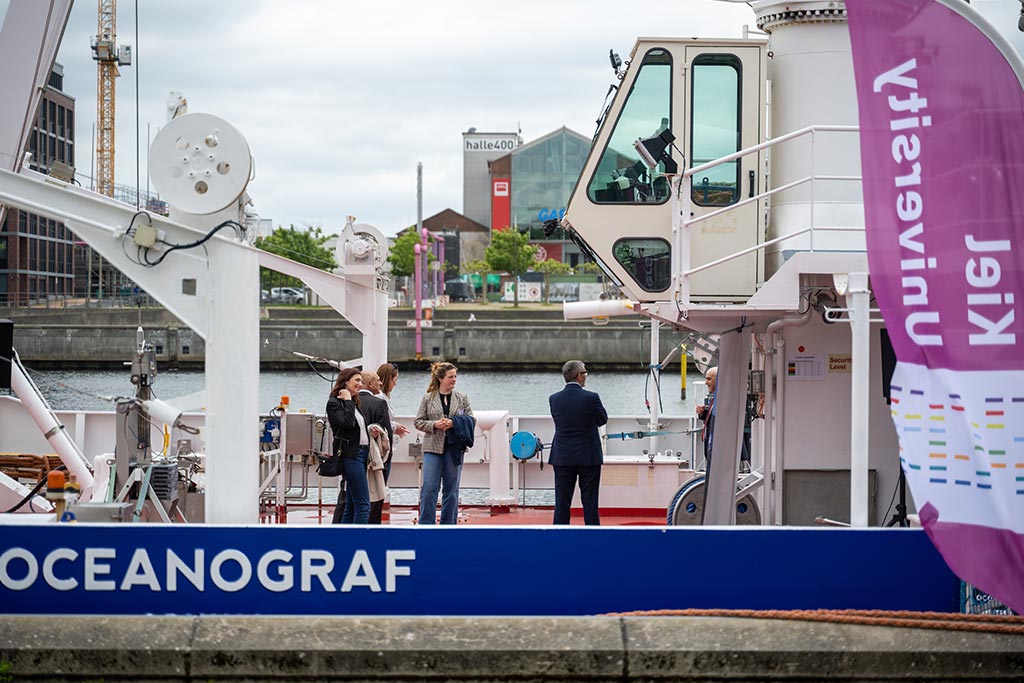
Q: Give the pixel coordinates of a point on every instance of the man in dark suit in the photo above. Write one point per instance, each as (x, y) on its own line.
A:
(375, 411)
(576, 448)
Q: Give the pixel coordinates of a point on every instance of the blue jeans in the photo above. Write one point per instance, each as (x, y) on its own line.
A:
(440, 468)
(357, 489)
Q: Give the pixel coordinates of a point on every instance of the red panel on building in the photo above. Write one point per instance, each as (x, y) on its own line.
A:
(501, 203)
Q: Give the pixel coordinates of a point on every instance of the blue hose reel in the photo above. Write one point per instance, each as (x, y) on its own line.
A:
(525, 445)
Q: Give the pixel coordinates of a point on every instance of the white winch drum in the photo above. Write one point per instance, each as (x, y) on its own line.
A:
(200, 163)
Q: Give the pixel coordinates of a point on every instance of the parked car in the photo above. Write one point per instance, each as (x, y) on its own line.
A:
(287, 295)
(458, 290)
(264, 296)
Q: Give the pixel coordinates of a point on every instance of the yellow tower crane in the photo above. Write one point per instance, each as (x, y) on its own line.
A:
(107, 55)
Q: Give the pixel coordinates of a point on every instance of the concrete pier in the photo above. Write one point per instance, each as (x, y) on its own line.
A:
(101, 338)
(172, 649)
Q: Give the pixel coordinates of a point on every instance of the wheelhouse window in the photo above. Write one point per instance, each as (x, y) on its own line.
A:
(647, 261)
(715, 127)
(621, 176)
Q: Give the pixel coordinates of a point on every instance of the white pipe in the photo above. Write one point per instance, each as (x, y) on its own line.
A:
(495, 424)
(774, 453)
(767, 509)
(279, 482)
(768, 466)
(859, 299)
(653, 395)
(52, 430)
(575, 310)
(778, 455)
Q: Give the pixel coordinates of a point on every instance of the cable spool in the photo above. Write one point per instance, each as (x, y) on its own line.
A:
(687, 506)
(525, 445)
(200, 163)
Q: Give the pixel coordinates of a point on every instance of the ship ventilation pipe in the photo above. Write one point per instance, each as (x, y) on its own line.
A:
(774, 462)
(577, 310)
(51, 428)
(494, 425)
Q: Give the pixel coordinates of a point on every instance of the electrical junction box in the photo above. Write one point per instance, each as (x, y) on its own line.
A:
(100, 513)
(145, 236)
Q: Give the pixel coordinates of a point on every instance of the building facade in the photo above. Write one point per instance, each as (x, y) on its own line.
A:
(537, 180)
(477, 150)
(473, 237)
(37, 254)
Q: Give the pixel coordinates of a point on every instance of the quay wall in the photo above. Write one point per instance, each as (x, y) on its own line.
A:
(610, 648)
(104, 338)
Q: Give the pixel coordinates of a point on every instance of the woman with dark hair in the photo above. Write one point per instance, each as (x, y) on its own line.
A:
(442, 460)
(352, 441)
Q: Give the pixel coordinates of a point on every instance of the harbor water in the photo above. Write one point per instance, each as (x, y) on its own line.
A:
(519, 392)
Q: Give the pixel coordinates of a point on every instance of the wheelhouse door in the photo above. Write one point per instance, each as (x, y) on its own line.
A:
(724, 113)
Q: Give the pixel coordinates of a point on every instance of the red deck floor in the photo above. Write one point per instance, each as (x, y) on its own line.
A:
(473, 515)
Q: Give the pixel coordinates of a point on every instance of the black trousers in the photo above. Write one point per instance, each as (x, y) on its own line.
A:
(339, 508)
(565, 483)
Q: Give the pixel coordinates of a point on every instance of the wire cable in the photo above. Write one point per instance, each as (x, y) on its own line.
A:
(34, 492)
(885, 517)
(313, 368)
(190, 245)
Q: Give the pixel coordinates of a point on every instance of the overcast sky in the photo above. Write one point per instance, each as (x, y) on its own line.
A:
(340, 100)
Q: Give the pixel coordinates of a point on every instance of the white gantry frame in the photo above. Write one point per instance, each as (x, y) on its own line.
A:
(214, 289)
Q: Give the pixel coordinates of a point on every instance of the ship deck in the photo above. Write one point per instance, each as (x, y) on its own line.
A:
(472, 515)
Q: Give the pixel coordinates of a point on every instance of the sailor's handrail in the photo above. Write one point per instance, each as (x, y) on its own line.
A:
(685, 187)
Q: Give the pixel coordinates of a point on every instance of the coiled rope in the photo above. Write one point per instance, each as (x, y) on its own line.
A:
(984, 623)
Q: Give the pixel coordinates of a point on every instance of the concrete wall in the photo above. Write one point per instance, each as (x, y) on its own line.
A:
(540, 343)
(712, 648)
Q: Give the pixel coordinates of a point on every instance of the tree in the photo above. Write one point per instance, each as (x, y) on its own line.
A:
(589, 267)
(402, 255)
(478, 267)
(510, 251)
(307, 246)
(551, 267)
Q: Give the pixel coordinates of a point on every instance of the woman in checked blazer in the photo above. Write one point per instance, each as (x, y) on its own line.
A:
(442, 463)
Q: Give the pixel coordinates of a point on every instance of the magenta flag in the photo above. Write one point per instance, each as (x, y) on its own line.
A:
(942, 150)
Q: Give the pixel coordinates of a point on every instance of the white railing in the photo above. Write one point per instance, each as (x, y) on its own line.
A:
(683, 207)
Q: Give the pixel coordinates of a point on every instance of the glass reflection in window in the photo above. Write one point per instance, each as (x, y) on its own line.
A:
(621, 176)
(647, 260)
(716, 128)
